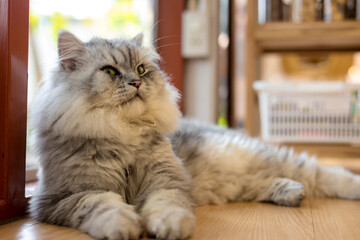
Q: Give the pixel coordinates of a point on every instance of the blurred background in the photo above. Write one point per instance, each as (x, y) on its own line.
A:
(287, 71)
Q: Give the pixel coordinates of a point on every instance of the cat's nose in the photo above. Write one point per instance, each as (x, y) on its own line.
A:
(135, 83)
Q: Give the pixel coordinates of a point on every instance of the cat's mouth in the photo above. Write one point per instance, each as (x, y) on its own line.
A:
(139, 96)
(136, 97)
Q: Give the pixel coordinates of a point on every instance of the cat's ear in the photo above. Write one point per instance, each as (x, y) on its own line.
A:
(70, 48)
(138, 39)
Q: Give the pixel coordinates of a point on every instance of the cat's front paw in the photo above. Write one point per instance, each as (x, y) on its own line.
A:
(171, 223)
(121, 223)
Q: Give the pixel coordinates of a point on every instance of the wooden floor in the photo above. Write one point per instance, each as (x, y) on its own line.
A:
(315, 219)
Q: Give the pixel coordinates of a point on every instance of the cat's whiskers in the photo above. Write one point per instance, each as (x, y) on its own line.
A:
(97, 104)
(106, 103)
(154, 25)
(119, 108)
(167, 45)
(160, 38)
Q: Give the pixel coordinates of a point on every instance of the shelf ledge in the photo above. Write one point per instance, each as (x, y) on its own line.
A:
(280, 36)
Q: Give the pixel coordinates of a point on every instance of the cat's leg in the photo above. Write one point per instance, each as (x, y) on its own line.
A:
(282, 191)
(319, 180)
(164, 198)
(103, 215)
(168, 214)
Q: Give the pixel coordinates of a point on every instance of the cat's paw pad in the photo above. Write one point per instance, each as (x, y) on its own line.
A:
(291, 194)
(171, 223)
(121, 223)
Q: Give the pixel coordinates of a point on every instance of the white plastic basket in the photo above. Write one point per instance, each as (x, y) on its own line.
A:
(326, 112)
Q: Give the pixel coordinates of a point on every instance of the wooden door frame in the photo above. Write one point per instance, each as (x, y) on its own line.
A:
(168, 35)
(231, 72)
(14, 30)
(251, 53)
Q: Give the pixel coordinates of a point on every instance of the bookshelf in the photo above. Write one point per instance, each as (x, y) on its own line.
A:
(289, 37)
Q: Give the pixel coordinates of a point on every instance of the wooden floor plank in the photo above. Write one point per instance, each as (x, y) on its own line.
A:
(336, 219)
(254, 221)
(318, 219)
(27, 229)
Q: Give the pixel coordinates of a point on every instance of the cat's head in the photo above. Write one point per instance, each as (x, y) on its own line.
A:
(106, 86)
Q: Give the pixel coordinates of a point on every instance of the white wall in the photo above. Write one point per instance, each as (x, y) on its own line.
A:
(201, 84)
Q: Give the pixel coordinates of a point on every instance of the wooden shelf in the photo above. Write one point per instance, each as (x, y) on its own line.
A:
(308, 36)
(287, 37)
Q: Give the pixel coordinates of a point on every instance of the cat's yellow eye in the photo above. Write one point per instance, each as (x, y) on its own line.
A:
(140, 69)
(110, 70)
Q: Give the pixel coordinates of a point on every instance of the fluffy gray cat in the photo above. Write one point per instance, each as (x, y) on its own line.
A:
(115, 162)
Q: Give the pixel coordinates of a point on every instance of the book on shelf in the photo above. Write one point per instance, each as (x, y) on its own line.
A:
(308, 10)
(327, 10)
(286, 10)
(319, 10)
(334, 10)
(268, 10)
(296, 10)
(276, 14)
(350, 9)
(339, 10)
(261, 11)
(357, 10)
(264, 11)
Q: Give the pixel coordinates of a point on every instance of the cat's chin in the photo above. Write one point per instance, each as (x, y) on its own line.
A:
(136, 97)
(159, 112)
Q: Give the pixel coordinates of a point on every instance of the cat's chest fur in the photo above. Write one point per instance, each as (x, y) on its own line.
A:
(90, 163)
(138, 170)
